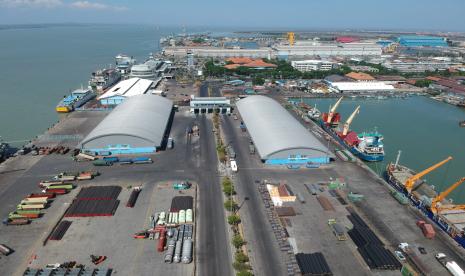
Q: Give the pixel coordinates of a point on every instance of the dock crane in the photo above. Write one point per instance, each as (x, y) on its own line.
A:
(435, 203)
(291, 38)
(332, 111)
(346, 127)
(413, 179)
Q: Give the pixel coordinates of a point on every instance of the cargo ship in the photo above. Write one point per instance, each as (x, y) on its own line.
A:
(367, 146)
(103, 79)
(446, 215)
(76, 99)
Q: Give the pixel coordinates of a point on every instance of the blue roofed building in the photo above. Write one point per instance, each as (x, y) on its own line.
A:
(422, 41)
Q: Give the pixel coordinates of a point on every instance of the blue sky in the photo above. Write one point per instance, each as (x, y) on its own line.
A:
(447, 15)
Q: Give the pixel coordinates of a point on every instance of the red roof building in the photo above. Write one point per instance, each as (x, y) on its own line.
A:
(347, 39)
(248, 62)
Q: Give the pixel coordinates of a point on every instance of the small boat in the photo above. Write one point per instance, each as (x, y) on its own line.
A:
(462, 123)
(76, 99)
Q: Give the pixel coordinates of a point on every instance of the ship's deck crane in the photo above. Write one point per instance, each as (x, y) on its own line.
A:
(435, 203)
(333, 110)
(411, 181)
(346, 127)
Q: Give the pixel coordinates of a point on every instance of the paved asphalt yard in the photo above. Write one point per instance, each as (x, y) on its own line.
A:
(390, 220)
(194, 160)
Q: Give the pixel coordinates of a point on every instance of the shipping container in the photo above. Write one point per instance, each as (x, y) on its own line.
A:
(46, 183)
(34, 200)
(37, 206)
(16, 215)
(61, 186)
(48, 195)
(55, 191)
(26, 212)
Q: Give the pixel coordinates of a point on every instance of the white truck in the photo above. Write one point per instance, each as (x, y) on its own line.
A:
(451, 266)
(233, 166)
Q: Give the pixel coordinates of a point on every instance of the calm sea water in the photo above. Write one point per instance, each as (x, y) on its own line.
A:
(40, 65)
(426, 131)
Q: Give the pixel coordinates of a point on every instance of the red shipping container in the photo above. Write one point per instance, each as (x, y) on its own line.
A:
(428, 231)
(48, 195)
(57, 191)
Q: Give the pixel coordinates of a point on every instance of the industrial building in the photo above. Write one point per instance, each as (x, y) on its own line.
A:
(327, 49)
(138, 125)
(422, 41)
(278, 137)
(300, 50)
(357, 87)
(312, 65)
(210, 105)
(206, 51)
(125, 89)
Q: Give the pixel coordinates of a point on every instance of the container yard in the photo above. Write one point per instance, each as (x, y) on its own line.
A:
(91, 220)
(153, 214)
(372, 218)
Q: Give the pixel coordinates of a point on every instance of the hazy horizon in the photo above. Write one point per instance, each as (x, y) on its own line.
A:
(395, 15)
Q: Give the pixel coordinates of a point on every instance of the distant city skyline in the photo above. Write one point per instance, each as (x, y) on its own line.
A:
(412, 15)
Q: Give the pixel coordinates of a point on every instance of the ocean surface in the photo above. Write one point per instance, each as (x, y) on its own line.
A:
(41, 64)
(426, 131)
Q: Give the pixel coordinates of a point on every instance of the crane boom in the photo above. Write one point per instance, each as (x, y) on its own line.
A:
(441, 196)
(332, 110)
(349, 121)
(411, 181)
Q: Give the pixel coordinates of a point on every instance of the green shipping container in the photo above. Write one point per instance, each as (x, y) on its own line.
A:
(66, 187)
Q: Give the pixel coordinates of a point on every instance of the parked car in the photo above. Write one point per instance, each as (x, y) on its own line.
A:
(400, 256)
(422, 250)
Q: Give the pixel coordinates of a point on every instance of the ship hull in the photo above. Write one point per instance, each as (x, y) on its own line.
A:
(427, 213)
(352, 149)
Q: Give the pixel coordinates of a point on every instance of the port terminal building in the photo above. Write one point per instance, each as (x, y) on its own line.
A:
(312, 65)
(125, 89)
(422, 41)
(210, 105)
(138, 125)
(278, 137)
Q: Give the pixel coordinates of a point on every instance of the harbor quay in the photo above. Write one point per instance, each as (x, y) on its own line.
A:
(216, 160)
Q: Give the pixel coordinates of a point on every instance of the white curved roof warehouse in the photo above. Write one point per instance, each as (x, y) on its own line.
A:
(137, 125)
(279, 137)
